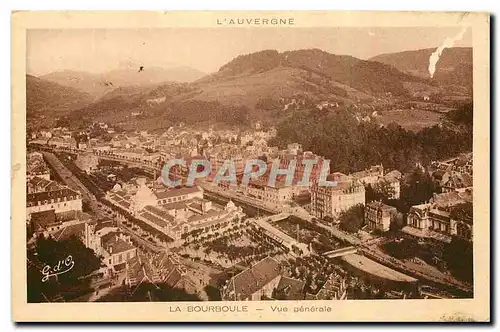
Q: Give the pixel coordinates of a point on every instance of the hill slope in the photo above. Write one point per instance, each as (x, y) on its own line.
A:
(98, 85)
(366, 76)
(267, 85)
(45, 101)
(453, 68)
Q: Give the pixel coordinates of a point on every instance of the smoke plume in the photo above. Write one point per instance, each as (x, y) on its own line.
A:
(448, 42)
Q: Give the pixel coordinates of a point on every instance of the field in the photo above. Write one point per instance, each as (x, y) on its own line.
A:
(410, 119)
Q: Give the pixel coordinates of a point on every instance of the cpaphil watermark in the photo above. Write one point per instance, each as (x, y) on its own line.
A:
(253, 170)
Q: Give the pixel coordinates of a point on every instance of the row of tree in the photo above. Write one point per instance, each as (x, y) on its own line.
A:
(352, 146)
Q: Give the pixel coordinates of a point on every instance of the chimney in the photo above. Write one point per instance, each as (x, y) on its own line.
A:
(110, 249)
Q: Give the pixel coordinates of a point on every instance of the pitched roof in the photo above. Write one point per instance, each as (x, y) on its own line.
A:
(251, 280)
(177, 192)
(158, 212)
(113, 241)
(290, 289)
(379, 205)
(154, 219)
(54, 194)
(43, 218)
(69, 231)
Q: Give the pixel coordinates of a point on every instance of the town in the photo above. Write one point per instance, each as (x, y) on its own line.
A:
(98, 194)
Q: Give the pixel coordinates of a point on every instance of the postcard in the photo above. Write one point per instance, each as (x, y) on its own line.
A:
(250, 166)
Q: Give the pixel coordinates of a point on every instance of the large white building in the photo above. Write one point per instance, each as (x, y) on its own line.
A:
(59, 200)
(278, 193)
(332, 200)
(175, 211)
(446, 215)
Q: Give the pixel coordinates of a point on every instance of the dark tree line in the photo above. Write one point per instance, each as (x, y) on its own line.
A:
(352, 146)
(196, 111)
(68, 285)
(353, 219)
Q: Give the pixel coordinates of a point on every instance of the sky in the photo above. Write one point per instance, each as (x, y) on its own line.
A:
(207, 49)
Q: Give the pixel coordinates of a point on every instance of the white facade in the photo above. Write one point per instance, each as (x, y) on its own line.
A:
(58, 200)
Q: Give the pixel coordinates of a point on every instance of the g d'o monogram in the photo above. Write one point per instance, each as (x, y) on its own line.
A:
(61, 267)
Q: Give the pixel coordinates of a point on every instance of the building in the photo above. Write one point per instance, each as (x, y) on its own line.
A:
(393, 178)
(285, 159)
(254, 283)
(59, 200)
(447, 215)
(370, 176)
(175, 211)
(87, 161)
(106, 240)
(60, 142)
(116, 249)
(36, 166)
(335, 288)
(455, 181)
(279, 193)
(378, 216)
(160, 268)
(332, 200)
(289, 289)
(38, 184)
(374, 177)
(60, 225)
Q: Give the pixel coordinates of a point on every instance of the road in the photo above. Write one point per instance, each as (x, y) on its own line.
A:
(136, 236)
(72, 181)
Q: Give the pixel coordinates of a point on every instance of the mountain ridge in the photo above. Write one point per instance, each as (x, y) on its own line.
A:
(98, 84)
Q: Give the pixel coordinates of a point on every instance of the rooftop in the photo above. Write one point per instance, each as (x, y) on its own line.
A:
(112, 240)
(177, 192)
(251, 280)
(49, 195)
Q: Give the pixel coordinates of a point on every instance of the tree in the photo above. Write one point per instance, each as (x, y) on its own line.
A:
(458, 255)
(419, 189)
(50, 252)
(68, 285)
(385, 190)
(213, 293)
(352, 219)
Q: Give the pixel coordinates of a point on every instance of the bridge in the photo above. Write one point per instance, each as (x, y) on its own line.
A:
(341, 252)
